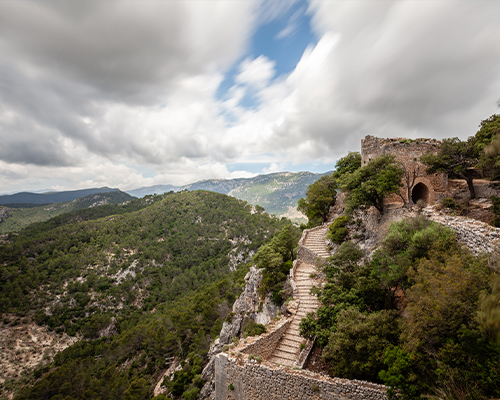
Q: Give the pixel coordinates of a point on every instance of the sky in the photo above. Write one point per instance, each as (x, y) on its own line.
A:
(138, 93)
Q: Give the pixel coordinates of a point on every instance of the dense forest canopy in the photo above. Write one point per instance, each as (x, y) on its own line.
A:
(155, 272)
(131, 260)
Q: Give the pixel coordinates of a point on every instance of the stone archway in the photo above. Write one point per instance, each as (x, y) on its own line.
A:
(420, 192)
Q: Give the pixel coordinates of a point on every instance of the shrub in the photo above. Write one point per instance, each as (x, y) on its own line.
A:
(229, 317)
(314, 387)
(405, 242)
(338, 231)
(496, 211)
(231, 387)
(251, 328)
(448, 203)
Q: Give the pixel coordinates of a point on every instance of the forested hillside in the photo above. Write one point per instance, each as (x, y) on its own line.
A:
(95, 273)
(14, 217)
(51, 197)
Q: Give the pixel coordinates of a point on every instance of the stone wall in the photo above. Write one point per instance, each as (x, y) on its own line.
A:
(265, 344)
(408, 152)
(303, 253)
(477, 236)
(249, 380)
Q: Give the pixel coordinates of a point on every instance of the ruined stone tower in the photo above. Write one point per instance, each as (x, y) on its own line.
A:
(407, 152)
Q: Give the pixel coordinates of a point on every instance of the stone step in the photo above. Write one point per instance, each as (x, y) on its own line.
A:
(293, 332)
(308, 300)
(306, 310)
(306, 271)
(281, 361)
(286, 348)
(303, 314)
(295, 337)
(285, 355)
(292, 341)
(304, 281)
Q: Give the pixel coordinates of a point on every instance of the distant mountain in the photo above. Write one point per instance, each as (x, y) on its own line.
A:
(13, 219)
(278, 193)
(51, 197)
(157, 189)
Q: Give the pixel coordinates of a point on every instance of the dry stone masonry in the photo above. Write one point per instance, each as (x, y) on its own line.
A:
(254, 381)
(478, 236)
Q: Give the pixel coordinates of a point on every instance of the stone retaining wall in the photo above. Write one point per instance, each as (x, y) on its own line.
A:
(303, 253)
(307, 256)
(305, 353)
(249, 380)
(265, 345)
(477, 236)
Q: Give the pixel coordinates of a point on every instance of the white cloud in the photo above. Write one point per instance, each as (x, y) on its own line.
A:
(97, 93)
(256, 73)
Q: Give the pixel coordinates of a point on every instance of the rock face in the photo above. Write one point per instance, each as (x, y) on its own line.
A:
(248, 305)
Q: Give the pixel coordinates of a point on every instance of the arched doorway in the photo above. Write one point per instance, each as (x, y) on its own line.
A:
(420, 192)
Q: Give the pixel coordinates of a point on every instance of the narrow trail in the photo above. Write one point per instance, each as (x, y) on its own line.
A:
(288, 350)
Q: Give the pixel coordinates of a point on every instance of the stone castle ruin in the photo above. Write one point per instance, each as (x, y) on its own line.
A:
(407, 152)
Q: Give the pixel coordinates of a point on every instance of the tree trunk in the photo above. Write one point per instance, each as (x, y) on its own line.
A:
(470, 184)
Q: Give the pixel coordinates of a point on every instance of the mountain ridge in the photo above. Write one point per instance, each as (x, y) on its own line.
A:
(278, 192)
(51, 197)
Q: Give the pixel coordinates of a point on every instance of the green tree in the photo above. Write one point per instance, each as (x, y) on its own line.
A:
(488, 315)
(275, 258)
(405, 242)
(488, 144)
(357, 346)
(369, 185)
(320, 196)
(348, 164)
(456, 158)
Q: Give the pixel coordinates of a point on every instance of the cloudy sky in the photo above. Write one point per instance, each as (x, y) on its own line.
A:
(137, 93)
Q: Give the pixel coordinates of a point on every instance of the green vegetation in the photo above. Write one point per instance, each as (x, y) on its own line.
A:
(155, 272)
(407, 241)
(369, 185)
(337, 232)
(465, 159)
(347, 164)
(251, 328)
(456, 158)
(22, 215)
(130, 262)
(131, 362)
(276, 259)
(277, 193)
(446, 343)
(496, 211)
(448, 203)
(488, 144)
(320, 196)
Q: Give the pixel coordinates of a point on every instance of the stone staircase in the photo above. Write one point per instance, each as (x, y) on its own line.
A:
(288, 350)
